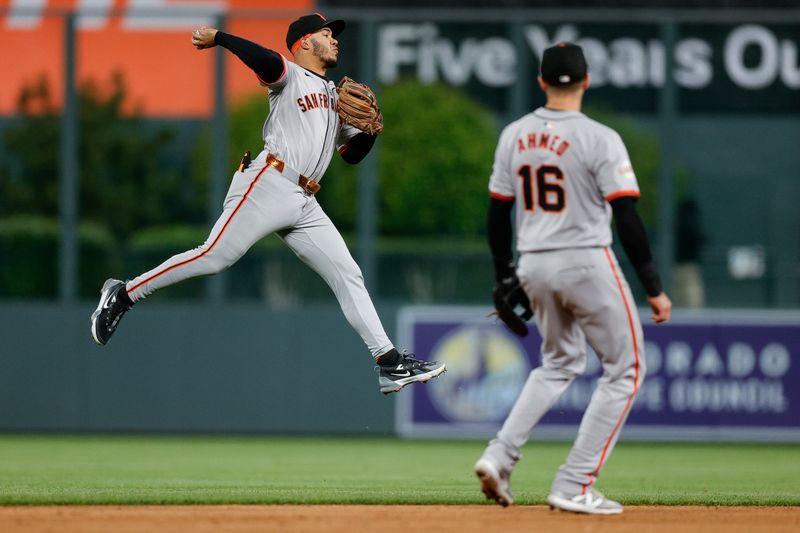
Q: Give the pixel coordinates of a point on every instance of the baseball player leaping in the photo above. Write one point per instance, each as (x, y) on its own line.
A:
(567, 174)
(275, 193)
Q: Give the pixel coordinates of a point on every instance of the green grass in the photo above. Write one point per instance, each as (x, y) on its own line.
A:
(211, 470)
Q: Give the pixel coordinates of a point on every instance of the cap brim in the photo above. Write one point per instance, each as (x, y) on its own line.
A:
(336, 26)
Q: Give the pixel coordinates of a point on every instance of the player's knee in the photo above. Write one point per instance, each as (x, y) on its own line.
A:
(215, 267)
(627, 371)
(350, 269)
(636, 374)
(215, 262)
(349, 273)
(564, 374)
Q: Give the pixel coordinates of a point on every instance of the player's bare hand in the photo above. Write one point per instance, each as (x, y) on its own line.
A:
(661, 306)
(204, 38)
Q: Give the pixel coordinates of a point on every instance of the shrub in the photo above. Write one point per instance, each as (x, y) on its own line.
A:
(434, 161)
(29, 252)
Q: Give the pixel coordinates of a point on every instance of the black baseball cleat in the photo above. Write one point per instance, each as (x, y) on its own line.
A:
(392, 378)
(114, 303)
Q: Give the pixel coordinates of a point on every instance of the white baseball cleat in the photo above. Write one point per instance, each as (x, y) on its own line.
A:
(593, 502)
(494, 484)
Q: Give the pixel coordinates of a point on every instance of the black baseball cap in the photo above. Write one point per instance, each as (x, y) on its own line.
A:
(308, 24)
(563, 64)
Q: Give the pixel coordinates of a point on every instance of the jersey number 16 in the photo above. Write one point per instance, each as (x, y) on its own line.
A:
(550, 195)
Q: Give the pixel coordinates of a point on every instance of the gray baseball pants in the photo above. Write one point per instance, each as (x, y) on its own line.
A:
(577, 295)
(261, 201)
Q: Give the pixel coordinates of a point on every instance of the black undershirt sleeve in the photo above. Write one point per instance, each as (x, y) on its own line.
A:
(633, 238)
(500, 236)
(267, 64)
(357, 148)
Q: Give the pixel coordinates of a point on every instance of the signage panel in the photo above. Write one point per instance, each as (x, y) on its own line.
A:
(707, 377)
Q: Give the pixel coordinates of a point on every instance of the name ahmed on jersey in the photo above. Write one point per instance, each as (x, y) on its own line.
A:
(542, 141)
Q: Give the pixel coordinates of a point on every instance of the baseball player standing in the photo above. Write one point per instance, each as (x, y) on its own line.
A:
(567, 174)
(275, 193)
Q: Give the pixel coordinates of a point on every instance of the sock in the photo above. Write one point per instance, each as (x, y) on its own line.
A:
(389, 358)
(124, 298)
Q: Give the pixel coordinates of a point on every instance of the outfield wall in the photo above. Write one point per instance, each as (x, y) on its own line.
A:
(248, 368)
(186, 368)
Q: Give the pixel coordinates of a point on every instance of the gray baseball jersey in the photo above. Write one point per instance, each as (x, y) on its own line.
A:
(302, 127)
(564, 167)
(302, 130)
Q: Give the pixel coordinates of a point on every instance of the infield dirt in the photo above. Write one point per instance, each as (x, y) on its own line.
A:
(389, 519)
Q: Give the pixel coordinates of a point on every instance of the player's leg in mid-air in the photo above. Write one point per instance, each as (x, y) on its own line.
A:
(259, 201)
(607, 314)
(318, 243)
(563, 353)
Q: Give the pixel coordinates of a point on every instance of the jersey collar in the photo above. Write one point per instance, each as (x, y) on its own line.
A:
(553, 114)
(324, 78)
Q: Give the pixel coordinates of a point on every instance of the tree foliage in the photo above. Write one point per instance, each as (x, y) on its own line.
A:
(125, 178)
(434, 161)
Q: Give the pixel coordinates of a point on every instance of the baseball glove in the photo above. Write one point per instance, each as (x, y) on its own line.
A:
(507, 295)
(358, 106)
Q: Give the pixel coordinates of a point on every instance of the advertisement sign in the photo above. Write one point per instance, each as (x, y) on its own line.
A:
(709, 377)
(725, 67)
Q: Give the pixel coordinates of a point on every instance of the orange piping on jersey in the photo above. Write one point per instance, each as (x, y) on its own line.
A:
(283, 73)
(635, 374)
(620, 194)
(501, 197)
(239, 205)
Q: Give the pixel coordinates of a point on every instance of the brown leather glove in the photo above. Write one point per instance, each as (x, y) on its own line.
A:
(358, 106)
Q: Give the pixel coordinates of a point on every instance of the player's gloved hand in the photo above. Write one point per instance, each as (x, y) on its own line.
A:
(512, 304)
(358, 106)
